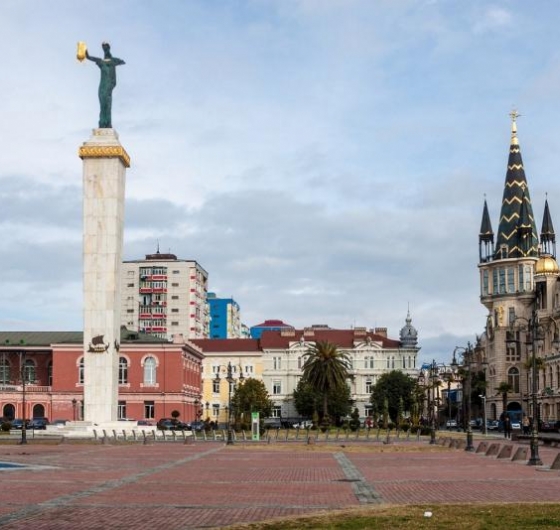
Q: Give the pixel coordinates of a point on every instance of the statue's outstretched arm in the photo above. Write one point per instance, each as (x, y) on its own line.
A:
(118, 61)
(94, 59)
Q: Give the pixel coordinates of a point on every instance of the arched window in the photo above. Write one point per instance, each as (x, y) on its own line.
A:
(150, 371)
(4, 371)
(29, 371)
(513, 379)
(81, 371)
(123, 371)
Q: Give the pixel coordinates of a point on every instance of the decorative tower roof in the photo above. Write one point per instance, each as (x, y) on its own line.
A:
(408, 334)
(517, 232)
(486, 232)
(548, 237)
(486, 236)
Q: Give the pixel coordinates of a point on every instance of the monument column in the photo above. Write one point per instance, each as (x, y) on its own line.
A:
(104, 170)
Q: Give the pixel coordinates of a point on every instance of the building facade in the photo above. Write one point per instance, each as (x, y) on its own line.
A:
(245, 358)
(225, 318)
(277, 359)
(163, 296)
(42, 375)
(519, 286)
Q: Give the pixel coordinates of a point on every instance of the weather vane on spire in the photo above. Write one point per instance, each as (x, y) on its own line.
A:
(514, 115)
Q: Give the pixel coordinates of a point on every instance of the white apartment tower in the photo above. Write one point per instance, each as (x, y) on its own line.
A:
(165, 296)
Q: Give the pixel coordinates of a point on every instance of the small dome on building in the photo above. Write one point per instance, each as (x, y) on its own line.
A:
(546, 266)
(408, 334)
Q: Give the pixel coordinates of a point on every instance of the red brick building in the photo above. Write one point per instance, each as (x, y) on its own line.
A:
(44, 372)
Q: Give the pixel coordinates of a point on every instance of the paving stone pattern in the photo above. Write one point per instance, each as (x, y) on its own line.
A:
(211, 485)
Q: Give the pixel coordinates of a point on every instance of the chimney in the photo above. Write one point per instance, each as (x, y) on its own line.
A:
(381, 331)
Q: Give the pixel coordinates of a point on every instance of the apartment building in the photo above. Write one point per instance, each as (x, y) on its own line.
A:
(163, 296)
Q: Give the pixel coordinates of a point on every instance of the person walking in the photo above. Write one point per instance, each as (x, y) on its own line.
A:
(507, 427)
(526, 425)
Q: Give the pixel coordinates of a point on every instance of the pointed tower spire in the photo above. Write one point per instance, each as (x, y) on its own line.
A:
(517, 232)
(486, 236)
(548, 237)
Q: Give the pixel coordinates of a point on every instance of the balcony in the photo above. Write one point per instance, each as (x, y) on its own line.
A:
(29, 388)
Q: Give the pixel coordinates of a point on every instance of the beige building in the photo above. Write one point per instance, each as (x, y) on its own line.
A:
(164, 296)
(235, 359)
(519, 286)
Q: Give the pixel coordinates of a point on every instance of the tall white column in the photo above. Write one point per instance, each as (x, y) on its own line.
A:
(104, 171)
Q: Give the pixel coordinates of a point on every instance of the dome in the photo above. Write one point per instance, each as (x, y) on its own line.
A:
(408, 334)
(546, 266)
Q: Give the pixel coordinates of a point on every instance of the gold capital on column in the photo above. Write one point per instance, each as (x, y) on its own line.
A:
(105, 151)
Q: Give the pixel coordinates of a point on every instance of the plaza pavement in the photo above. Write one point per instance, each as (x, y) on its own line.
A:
(210, 485)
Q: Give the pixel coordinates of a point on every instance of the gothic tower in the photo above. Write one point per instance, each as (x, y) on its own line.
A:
(507, 280)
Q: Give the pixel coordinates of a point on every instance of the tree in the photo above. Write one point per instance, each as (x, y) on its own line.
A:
(504, 388)
(250, 395)
(307, 401)
(393, 386)
(175, 414)
(325, 368)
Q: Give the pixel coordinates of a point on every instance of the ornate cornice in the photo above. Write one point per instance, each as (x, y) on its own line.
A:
(105, 151)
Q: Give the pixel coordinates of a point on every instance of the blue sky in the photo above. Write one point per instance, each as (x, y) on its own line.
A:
(325, 160)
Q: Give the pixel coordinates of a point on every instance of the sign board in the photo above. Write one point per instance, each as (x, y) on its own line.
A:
(255, 427)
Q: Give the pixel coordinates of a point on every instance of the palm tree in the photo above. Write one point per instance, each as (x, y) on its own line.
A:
(325, 368)
(504, 388)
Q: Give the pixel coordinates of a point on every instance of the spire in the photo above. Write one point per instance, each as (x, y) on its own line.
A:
(548, 237)
(517, 232)
(486, 236)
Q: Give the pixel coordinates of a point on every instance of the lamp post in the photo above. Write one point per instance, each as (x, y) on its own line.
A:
(23, 440)
(534, 331)
(74, 403)
(484, 413)
(467, 361)
(230, 380)
(433, 382)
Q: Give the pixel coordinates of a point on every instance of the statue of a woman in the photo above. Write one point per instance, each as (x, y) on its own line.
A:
(107, 65)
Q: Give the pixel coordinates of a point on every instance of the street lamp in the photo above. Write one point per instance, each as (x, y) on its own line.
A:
(483, 397)
(467, 360)
(229, 378)
(433, 378)
(535, 332)
(23, 404)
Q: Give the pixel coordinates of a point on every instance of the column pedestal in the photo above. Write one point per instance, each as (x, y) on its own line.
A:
(104, 170)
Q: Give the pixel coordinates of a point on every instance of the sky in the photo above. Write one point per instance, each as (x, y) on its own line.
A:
(326, 161)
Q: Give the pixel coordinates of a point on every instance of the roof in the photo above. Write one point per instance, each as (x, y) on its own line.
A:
(227, 345)
(272, 323)
(516, 215)
(343, 338)
(46, 338)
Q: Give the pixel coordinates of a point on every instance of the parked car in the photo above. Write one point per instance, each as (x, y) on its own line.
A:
(492, 425)
(145, 423)
(197, 426)
(451, 424)
(38, 423)
(305, 424)
(18, 424)
(168, 424)
(549, 426)
(272, 423)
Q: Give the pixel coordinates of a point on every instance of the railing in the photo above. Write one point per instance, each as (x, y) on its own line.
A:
(29, 387)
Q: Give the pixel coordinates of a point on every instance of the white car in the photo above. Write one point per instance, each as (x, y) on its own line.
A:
(306, 424)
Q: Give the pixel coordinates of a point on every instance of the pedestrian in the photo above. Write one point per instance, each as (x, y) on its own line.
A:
(507, 427)
(526, 424)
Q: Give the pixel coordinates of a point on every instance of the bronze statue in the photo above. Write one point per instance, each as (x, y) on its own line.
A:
(107, 65)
